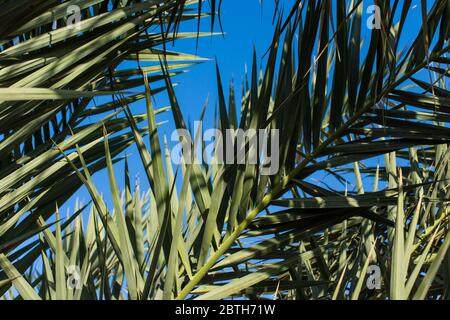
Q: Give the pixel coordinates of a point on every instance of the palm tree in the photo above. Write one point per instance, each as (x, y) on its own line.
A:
(372, 113)
(52, 65)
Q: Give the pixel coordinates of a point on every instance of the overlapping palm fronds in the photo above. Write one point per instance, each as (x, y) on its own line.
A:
(351, 104)
(374, 114)
(51, 69)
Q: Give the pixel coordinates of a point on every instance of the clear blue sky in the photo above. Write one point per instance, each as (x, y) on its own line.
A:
(247, 24)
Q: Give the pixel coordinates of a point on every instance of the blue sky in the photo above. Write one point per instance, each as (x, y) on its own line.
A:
(247, 24)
